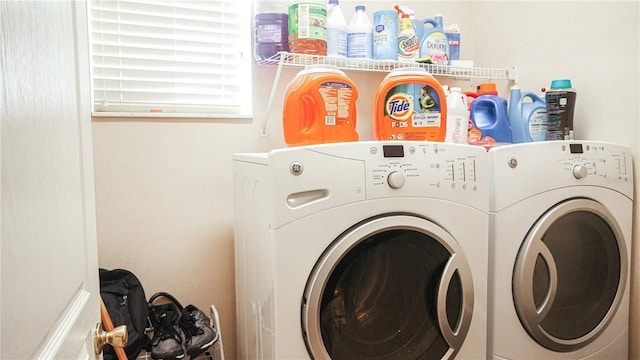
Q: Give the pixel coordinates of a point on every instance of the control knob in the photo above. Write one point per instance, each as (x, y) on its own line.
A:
(395, 180)
(579, 171)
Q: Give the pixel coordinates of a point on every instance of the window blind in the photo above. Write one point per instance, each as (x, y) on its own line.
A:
(171, 57)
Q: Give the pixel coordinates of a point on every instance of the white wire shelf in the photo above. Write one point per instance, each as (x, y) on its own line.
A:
(301, 60)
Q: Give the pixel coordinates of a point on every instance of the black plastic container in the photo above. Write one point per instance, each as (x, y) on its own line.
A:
(271, 32)
(561, 102)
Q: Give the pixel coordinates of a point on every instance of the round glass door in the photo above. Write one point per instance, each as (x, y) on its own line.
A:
(570, 274)
(393, 287)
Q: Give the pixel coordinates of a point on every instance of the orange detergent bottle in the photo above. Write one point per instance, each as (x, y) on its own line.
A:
(410, 105)
(320, 107)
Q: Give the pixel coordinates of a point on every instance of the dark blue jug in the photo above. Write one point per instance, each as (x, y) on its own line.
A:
(489, 115)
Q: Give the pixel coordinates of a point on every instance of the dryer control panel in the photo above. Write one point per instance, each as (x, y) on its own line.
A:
(600, 160)
(523, 170)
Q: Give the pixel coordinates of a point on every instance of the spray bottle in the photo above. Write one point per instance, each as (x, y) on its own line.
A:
(418, 26)
(407, 40)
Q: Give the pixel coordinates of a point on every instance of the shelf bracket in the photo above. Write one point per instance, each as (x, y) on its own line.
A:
(276, 80)
(513, 74)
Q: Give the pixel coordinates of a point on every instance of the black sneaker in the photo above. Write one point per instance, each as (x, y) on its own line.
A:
(166, 343)
(198, 333)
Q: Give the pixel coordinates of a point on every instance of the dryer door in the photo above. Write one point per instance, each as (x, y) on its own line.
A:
(570, 275)
(392, 287)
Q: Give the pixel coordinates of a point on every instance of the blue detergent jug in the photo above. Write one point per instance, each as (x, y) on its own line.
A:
(489, 115)
(528, 119)
(434, 43)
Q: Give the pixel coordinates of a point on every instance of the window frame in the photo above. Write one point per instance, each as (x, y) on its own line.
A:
(241, 107)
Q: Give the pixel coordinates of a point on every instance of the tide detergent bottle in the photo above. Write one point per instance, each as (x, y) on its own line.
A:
(528, 119)
(490, 118)
(410, 105)
(319, 107)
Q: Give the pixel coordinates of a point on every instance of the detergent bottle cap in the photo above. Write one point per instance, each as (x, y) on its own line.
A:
(561, 84)
(409, 71)
(487, 89)
(515, 87)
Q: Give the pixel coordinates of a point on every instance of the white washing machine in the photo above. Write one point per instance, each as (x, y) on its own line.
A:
(362, 250)
(560, 243)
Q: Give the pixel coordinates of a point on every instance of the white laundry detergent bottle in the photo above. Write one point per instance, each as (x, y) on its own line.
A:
(457, 116)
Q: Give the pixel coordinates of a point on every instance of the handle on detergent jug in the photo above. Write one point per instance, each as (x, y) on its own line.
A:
(308, 116)
(471, 94)
(463, 97)
(532, 96)
(520, 103)
(301, 123)
(432, 22)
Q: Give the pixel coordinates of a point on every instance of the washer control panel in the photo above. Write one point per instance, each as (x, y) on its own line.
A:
(425, 169)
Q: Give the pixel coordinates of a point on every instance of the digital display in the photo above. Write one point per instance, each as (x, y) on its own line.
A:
(575, 148)
(393, 151)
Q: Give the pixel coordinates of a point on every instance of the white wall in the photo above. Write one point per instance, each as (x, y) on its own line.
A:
(164, 188)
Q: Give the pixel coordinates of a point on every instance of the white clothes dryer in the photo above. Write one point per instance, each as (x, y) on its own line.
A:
(362, 250)
(560, 242)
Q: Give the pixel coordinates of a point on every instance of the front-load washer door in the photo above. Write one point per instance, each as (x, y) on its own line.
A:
(392, 287)
(570, 275)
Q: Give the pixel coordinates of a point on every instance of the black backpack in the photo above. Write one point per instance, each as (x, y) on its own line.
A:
(126, 304)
